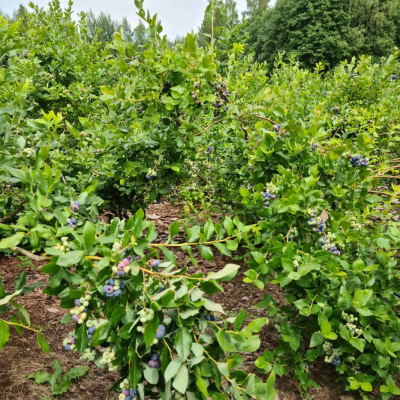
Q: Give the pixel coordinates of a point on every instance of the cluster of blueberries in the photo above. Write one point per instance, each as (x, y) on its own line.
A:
(313, 147)
(357, 161)
(123, 267)
(111, 289)
(392, 78)
(91, 332)
(140, 109)
(280, 132)
(314, 222)
(210, 149)
(160, 332)
(331, 248)
(128, 394)
(267, 197)
(75, 206)
(155, 361)
(195, 96)
(223, 93)
(71, 222)
(211, 317)
(150, 175)
(70, 342)
(335, 109)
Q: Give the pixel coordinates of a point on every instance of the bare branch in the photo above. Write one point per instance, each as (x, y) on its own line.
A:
(30, 255)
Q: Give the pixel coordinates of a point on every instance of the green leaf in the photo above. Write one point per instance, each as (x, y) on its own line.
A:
(174, 228)
(89, 234)
(151, 375)
(183, 343)
(172, 368)
(316, 339)
(42, 343)
(181, 380)
(135, 373)
(358, 344)
(325, 327)
(228, 225)
(201, 384)
(61, 388)
(256, 325)
(12, 241)
(7, 299)
(40, 377)
(4, 333)
(225, 341)
(269, 387)
(209, 229)
(206, 252)
(223, 249)
(366, 386)
(117, 315)
(82, 340)
(70, 258)
(197, 349)
(23, 312)
(75, 373)
(150, 330)
(20, 281)
(225, 274)
(239, 320)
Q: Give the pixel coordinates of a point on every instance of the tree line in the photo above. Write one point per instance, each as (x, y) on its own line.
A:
(313, 31)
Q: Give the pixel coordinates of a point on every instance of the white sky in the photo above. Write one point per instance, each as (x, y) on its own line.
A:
(177, 16)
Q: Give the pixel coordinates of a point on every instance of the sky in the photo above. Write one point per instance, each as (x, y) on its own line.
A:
(178, 17)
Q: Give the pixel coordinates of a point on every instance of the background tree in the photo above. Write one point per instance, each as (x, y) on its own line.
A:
(314, 30)
(327, 31)
(255, 7)
(140, 34)
(225, 14)
(373, 26)
(101, 26)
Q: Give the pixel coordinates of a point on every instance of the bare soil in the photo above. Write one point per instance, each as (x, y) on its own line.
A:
(22, 356)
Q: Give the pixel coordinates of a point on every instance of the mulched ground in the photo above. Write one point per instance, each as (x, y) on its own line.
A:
(22, 356)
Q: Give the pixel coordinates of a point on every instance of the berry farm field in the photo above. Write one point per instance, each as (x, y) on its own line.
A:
(180, 222)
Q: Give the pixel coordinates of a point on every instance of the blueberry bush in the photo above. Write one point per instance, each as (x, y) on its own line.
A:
(301, 167)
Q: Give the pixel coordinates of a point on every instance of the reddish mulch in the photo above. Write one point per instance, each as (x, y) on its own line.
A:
(22, 355)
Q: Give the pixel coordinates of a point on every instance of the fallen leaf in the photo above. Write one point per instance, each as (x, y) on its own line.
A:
(324, 215)
(153, 216)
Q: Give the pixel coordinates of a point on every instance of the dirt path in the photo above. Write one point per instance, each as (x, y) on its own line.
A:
(21, 356)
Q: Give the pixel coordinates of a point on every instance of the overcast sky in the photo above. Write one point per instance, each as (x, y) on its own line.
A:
(177, 16)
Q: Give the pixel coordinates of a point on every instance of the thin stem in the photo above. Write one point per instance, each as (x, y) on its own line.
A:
(170, 351)
(22, 326)
(169, 275)
(192, 244)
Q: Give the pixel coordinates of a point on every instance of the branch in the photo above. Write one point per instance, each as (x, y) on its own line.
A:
(266, 119)
(246, 134)
(30, 255)
(20, 208)
(209, 126)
